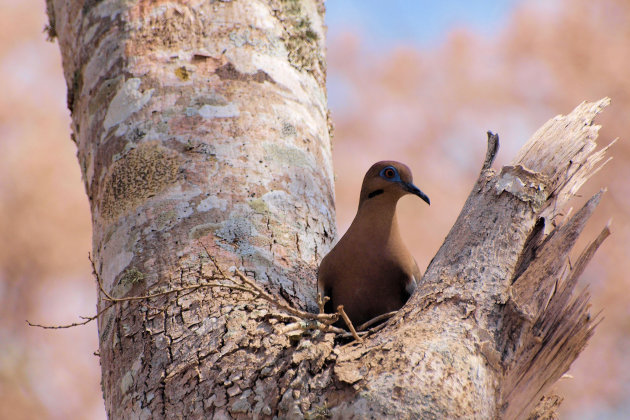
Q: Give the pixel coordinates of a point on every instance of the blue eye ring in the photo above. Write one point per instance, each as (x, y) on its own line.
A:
(390, 174)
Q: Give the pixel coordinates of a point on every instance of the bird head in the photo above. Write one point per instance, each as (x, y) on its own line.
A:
(390, 180)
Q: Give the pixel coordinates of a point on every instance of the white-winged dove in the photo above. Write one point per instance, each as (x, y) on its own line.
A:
(370, 271)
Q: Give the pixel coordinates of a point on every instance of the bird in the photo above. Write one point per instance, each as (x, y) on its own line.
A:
(370, 271)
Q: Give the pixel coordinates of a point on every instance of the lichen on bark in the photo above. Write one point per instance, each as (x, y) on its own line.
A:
(301, 38)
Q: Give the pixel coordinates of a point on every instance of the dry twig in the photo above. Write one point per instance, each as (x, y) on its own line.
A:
(349, 323)
(309, 321)
(321, 302)
(376, 320)
(303, 321)
(86, 320)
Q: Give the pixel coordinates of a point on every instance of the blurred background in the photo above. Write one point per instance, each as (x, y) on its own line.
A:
(419, 82)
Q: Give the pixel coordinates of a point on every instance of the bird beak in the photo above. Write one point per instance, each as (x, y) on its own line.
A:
(409, 187)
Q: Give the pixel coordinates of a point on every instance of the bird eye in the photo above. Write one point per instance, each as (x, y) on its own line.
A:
(389, 172)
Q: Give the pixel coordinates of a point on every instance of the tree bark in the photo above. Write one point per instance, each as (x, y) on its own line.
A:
(197, 123)
(202, 132)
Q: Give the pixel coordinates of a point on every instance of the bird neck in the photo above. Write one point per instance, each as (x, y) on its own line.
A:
(379, 217)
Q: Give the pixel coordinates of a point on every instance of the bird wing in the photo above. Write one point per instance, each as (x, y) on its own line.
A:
(415, 278)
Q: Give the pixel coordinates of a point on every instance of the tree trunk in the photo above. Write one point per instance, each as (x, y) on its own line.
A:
(202, 132)
(201, 123)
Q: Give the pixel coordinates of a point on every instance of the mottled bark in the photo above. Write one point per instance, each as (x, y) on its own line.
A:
(201, 122)
(203, 125)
